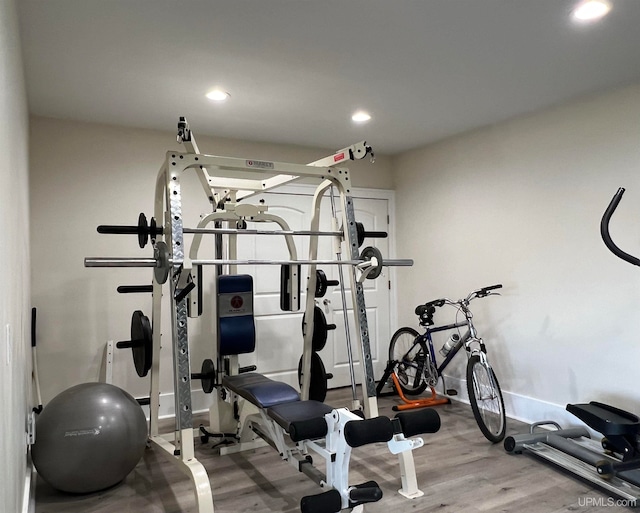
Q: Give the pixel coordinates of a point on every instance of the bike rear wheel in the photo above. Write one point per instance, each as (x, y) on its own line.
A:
(486, 399)
(410, 360)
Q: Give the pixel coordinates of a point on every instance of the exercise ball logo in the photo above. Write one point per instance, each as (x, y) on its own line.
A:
(82, 432)
(236, 302)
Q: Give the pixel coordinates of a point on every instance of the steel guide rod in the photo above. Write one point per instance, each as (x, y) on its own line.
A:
(152, 262)
(252, 231)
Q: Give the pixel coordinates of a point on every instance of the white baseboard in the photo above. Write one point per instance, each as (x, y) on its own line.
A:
(522, 408)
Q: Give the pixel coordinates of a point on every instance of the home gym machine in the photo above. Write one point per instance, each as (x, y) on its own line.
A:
(614, 463)
(269, 410)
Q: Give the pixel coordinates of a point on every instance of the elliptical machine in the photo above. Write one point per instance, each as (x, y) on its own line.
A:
(614, 464)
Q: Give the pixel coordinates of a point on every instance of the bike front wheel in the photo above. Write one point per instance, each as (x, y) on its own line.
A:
(410, 357)
(486, 399)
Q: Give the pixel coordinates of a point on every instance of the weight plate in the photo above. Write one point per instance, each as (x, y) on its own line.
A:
(320, 329)
(143, 230)
(161, 254)
(319, 377)
(142, 338)
(321, 283)
(360, 231)
(208, 373)
(367, 254)
(153, 230)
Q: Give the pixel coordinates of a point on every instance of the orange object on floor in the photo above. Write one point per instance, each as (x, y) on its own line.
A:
(410, 404)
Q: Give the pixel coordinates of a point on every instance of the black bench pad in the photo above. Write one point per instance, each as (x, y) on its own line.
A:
(260, 390)
(303, 420)
(606, 419)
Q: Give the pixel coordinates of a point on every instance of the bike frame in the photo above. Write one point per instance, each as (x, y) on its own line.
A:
(426, 337)
(469, 337)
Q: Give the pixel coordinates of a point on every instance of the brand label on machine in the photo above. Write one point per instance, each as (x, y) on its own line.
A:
(235, 304)
(338, 157)
(260, 164)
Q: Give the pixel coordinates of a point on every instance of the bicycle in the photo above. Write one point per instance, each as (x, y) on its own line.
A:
(413, 366)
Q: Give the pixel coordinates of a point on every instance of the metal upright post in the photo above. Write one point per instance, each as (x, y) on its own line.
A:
(181, 452)
(310, 292)
(156, 316)
(370, 401)
(181, 367)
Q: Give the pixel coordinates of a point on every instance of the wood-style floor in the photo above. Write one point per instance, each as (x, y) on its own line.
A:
(458, 470)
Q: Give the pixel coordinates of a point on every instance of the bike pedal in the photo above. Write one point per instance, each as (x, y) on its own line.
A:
(452, 391)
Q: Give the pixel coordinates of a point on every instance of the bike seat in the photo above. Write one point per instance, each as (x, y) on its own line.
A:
(606, 419)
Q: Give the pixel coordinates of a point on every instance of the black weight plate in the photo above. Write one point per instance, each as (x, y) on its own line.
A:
(143, 230)
(161, 254)
(367, 254)
(321, 283)
(360, 231)
(319, 377)
(209, 371)
(143, 348)
(153, 230)
(319, 339)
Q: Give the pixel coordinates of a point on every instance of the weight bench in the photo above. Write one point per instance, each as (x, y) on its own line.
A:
(273, 412)
(294, 427)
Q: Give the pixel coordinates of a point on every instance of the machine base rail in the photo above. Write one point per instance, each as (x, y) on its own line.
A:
(617, 487)
(573, 450)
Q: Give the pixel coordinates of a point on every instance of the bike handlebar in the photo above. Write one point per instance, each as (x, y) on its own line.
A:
(429, 308)
(485, 290)
(604, 230)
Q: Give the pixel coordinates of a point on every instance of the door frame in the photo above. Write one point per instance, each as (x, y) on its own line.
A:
(366, 193)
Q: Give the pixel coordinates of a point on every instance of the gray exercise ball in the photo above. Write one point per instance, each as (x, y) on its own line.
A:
(89, 438)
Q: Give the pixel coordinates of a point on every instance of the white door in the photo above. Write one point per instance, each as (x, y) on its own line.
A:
(279, 334)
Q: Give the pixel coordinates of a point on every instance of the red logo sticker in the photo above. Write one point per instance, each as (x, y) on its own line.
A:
(339, 157)
(236, 302)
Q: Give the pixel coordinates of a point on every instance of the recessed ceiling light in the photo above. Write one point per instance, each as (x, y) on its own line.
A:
(361, 116)
(218, 95)
(591, 10)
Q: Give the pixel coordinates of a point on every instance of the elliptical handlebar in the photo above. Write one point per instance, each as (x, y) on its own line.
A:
(604, 230)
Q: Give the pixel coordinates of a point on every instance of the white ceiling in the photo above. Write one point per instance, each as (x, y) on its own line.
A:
(297, 69)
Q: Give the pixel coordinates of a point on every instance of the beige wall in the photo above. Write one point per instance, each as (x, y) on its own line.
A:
(84, 175)
(520, 203)
(15, 353)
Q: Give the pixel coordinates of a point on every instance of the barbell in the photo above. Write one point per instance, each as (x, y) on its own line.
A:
(161, 262)
(145, 230)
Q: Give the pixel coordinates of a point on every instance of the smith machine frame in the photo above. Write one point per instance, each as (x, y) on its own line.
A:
(172, 262)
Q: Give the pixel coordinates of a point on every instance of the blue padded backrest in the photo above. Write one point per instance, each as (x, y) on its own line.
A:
(236, 327)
